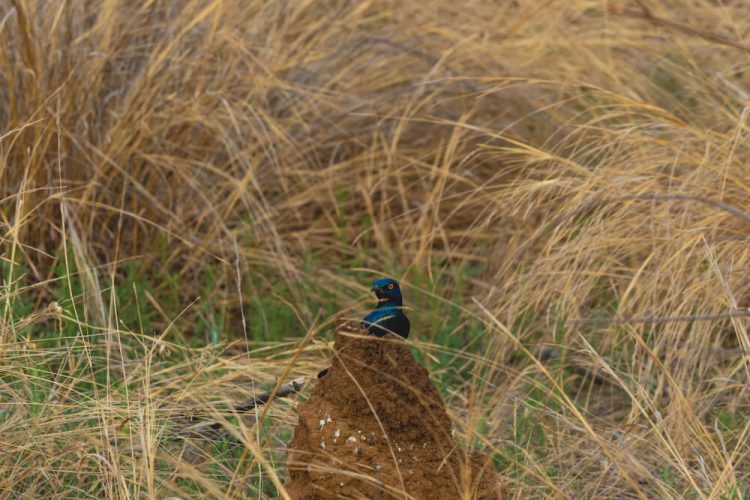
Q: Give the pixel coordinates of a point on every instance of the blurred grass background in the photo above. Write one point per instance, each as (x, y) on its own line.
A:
(193, 190)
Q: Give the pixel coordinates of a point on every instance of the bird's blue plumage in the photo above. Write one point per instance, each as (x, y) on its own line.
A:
(388, 316)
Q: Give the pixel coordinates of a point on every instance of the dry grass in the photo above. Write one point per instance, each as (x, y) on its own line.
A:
(519, 165)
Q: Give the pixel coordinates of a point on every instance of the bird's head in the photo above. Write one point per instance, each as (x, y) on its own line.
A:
(387, 290)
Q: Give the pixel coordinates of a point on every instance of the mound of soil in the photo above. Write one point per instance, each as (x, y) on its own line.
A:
(375, 427)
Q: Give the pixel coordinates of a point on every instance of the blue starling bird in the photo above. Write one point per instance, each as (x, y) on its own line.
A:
(388, 316)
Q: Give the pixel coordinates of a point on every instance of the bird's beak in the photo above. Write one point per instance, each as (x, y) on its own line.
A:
(375, 288)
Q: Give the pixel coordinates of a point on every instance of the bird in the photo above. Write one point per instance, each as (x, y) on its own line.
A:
(388, 316)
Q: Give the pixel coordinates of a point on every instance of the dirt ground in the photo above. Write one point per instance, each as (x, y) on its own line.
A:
(375, 427)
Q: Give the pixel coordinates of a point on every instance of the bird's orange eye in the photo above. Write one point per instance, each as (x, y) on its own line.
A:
(390, 287)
